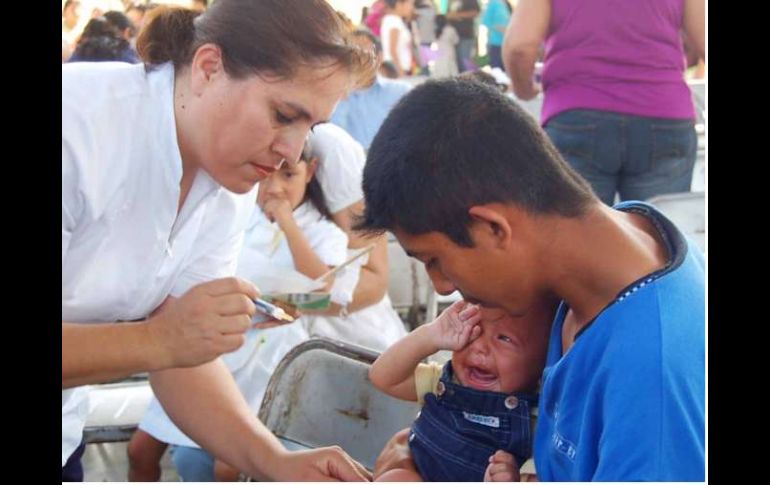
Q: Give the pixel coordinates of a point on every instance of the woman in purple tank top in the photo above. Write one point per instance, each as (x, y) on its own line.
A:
(615, 100)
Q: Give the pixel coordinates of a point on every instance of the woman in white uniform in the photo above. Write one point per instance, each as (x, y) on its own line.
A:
(159, 164)
(292, 230)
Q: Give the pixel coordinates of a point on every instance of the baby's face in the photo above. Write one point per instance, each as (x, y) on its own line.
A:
(503, 358)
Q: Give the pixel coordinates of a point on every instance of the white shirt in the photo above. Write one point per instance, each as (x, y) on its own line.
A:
(254, 362)
(446, 60)
(124, 248)
(341, 162)
(404, 45)
(340, 173)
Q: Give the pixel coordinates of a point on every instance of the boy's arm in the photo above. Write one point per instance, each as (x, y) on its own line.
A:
(393, 371)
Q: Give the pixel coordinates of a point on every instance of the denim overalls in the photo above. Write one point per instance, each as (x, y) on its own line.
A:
(459, 428)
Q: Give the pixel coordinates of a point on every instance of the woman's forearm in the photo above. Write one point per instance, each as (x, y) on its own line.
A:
(207, 405)
(100, 352)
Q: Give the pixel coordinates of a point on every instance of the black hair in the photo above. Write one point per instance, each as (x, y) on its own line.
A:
(100, 41)
(120, 21)
(272, 36)
(454, 143)
(440, 22)
(314, 193)
(484, 78)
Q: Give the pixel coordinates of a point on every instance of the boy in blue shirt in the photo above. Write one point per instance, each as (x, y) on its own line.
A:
(471, 186)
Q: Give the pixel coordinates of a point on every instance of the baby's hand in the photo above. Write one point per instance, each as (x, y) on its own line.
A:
(456, 326)
(502, 468)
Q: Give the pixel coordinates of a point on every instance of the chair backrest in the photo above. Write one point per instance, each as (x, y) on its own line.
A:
(320, 395)
(408, 282)
(688, 211)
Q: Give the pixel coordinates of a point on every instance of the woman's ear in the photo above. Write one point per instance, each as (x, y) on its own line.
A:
(206, 66)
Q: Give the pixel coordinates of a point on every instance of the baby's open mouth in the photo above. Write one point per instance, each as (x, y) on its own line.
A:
(480, 378)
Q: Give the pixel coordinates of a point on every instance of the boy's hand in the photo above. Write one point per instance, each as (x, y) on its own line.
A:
(502, 468)
(456, 327)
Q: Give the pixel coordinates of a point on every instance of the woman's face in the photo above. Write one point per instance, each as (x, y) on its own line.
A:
(240, 131)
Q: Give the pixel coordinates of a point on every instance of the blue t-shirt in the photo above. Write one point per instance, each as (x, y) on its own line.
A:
(361, 114)
(627, 401)
(496, 14)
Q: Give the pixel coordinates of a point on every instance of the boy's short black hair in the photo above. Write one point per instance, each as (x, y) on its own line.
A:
(454, 143)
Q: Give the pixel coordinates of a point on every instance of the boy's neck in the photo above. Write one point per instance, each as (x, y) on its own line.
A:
(592, 258)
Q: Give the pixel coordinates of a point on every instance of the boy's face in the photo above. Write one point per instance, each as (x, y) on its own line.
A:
(483, 274)
(506, 357)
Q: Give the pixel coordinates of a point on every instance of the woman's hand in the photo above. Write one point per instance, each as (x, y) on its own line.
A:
(207, 321)
(320, 465)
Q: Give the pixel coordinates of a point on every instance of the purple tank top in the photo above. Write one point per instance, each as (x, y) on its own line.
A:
(622, 56)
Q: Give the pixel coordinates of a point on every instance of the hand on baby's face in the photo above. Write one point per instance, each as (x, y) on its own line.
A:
(457, 326)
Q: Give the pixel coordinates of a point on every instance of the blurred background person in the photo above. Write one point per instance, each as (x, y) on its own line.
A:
(364, 110)
(396, 36)
(462, 15)
(495, 18)
(616, 103)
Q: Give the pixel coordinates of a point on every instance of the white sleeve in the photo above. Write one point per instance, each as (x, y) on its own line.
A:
(347, 279)
(340, 165)
(76, 150)
(219, 241)
(328, 241)
(71, 204)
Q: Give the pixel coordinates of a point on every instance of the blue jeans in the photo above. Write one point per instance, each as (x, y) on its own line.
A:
(459, 428)
(197, 465)
(495, 56)
(464, 51)
(72, 471)
(193, 464)
(634, 156)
